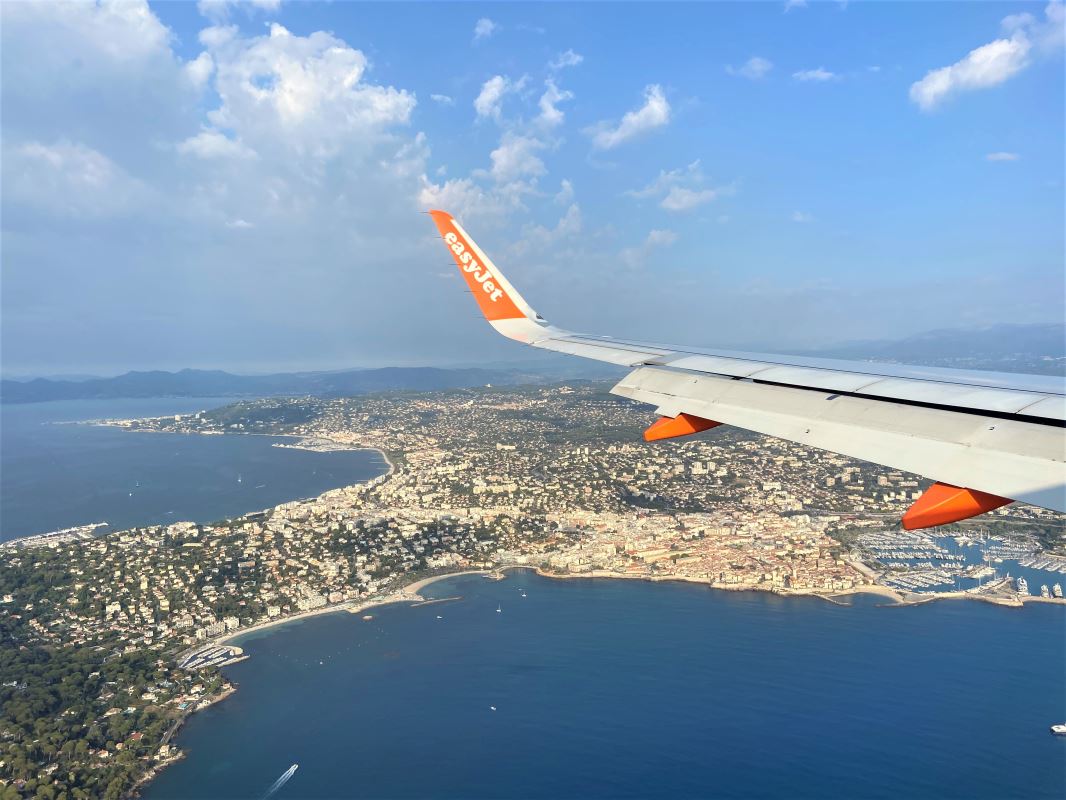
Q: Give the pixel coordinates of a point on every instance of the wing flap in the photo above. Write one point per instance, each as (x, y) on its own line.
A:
(1020, 460)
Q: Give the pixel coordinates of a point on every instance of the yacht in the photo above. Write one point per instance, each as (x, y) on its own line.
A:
(1044, 591)
(1023, 586)
(1056, 590)
(1059, 730)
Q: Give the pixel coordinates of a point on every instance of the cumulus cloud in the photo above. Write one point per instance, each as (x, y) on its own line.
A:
(680, 189)
(753, 69)
(107, 143)
(69, 179)
(1001, 156)
(681, 199)
(210, 143)
(199, 69)
(655, 113)
(464, 198)
(565, 194)
(516, 158)
(539, 238)
(311, 89)
(819, 75)
(550, 115)
(982, 68)
(563, 60)
(218, 10)
(489, 102)
(484, 28)
(994, 63)
(636, 257)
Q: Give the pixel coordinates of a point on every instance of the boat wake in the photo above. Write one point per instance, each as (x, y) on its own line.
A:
(281, 781)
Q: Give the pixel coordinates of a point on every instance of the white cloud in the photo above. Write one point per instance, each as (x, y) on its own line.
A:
(791, 4)
(636, 257)
(489, 102)
(680, 189)
(565, 195)
(538, 238)
(655, 113)
(122, 32)
(69, 179)
(304, 93)
(210, 143)
(982, 68)
(219, 10)
(996, 62)
(1001, 156)
(819, 75)
(199, 69)
(217, 35)
(753, 69)
(802, 217)
(681, 199)
(563, 60)
(550, 116)
(463, 198)
(484, 28)
(516, 158)
(239, 224)
(442, 99)
(661, 238)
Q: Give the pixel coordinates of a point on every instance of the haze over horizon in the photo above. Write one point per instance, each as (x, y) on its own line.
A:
(240, 187)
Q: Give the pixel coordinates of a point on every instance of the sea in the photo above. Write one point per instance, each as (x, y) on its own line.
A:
(537, 688)
(532, 687)
(55, 474)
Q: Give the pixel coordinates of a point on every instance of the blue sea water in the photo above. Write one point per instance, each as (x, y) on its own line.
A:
(56, 476)
(629, 689)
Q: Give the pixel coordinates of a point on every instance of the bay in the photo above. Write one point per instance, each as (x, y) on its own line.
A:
(55, 475)
(613, 688)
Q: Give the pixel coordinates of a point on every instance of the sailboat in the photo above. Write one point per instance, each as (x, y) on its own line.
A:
(499, 609)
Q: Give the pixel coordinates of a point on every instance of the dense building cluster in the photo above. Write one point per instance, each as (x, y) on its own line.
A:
(552, 477)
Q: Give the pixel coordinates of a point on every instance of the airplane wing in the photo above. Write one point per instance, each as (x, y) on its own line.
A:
(986, 438)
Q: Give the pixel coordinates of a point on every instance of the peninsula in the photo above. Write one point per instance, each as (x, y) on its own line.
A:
(121, 636)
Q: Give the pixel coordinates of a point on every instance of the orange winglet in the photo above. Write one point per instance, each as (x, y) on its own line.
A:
(681, 425)
(943, 503)
(491, 296)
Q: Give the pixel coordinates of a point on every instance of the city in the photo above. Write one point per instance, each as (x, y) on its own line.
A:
(564, 486)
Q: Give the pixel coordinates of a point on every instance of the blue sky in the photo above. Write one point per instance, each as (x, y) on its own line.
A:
(239, 185)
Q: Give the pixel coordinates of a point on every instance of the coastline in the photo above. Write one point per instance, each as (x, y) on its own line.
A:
(877, 589)
(411, 593)
(88, 530)
(404, 594)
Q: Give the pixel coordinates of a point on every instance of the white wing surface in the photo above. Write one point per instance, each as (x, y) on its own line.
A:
(986, 438)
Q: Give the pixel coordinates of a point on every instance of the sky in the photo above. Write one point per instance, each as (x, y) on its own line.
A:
(241, 185)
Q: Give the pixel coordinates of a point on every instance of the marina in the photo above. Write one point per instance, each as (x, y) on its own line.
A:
(921, 561)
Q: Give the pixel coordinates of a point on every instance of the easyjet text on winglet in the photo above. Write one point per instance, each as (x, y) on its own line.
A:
(469, 264)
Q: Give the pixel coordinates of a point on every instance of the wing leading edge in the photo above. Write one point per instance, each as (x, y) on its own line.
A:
(987, 438)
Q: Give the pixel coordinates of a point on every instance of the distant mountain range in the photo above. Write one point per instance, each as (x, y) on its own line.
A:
(215, 383)
(1014, 348)
(1037, 348)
